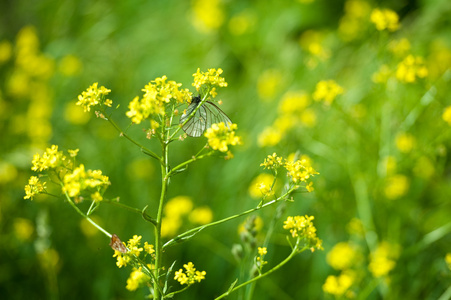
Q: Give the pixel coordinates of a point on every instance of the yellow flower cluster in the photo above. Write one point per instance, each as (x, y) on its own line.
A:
(157, 94)
(339, 285)
(34, 187)
(220, 136)
(136, 279)
(385, 19)
(208, 15)
(190, 275)
(211, 78)
(80, 181)
(272, 162)
(260, 261)
(262, 185)
(327, 90)
(303, 228)
(383, 260)
(94, 96)
(342, 256)
(175, 211)
(411, 68)
(396, 186)
(51, 158)
(134, 249)
(353, 23)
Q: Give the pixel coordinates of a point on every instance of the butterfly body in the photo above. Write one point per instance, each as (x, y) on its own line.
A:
(208, 114)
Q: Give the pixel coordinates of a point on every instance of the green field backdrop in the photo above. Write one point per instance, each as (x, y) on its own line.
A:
(379, 139)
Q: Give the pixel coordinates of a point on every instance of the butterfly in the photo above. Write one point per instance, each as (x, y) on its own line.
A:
(204, 117)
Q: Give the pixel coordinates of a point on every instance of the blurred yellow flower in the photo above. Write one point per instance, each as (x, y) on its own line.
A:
(383, 259)
(354, 22)
(411, 68)
(80, 180)
(86, 227)
(405, 142)
(293, 102)
(221, 136)
(242, 23)
(388, 165)
(381, 75)
(342, 256)
(75, 114)
(424, 168)
(178, 206)
(396, 186)
(269, 84)
(308, 117)
(339, 285)
(8, 172)
(446, 116)
(6, 50)
(201, 215)
(327, 90)
(23, 228)
(355, 227)
(51, 158)
(207, 15)
(399, 47)
(385, 19)
(136, 279)
(448, 260)
(170, 226)
(261, 186)
(70, 65)
(269, 137)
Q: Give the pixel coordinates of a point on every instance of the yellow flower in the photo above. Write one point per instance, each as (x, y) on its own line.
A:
(424, 168)
(448, 260)
(137, 278)
(269, 137)
(262, 251)
(221, 136)
(211, 78)
(34, 187)
(382, 75)
(149, 248)
(353, 24)
(70, 65)
(342, 256)
(262, 186)
(23, 228)
(272, 162)
(382, 260)
(446, 116)
(178, 206)
(405, 142)
(190, 275)
(396, 186)
(201, 215)
(385, 19)
(94, 96)
(208, 15)
(339, 285)
(269, 83)
(300, 170)
(6, 50)
(242, 23)
(80, 180)
(411, 68)
(302, 227)
(51, 158)
(293, 102)
(399, 47)
(327, 90)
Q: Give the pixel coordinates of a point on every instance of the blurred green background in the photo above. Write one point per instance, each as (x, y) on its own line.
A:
(381, 147)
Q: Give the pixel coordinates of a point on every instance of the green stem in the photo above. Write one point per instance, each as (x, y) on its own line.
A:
(294, 251)
(158, 241)
(190, 233)
(122, 133)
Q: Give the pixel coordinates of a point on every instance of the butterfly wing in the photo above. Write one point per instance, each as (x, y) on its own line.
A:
(204, 117)
(215, 115)
(198, 123)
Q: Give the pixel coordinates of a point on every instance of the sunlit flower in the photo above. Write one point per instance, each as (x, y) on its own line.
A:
(354, 22)
(79, 180)
(262, 186)
(399, 47)
(178, 206)
(300, 170)
(302, 227)
(190, 275)
(51, 158)
(272, 162)
(385, 19)
(211, 78)
(327, 91)
(411, 68)
(34, 187)
(293, 102)
(94, 96)
(220, 136)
